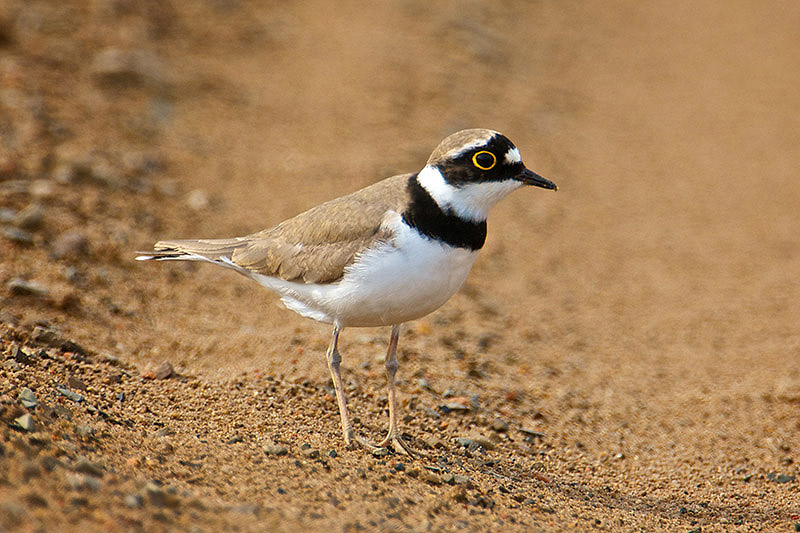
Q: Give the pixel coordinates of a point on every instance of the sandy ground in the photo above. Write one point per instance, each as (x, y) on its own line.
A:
(625, 355)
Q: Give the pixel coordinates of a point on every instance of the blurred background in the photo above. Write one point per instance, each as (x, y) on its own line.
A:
(671, 129)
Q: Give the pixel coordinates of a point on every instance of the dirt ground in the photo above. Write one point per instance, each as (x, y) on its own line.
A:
(625, 355)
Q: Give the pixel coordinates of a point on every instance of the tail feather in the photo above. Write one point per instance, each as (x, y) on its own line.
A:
(211, 250)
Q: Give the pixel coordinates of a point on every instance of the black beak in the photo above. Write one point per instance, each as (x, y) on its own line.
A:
(532, 178)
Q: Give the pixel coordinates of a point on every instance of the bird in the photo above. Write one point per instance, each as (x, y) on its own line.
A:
(386, 254)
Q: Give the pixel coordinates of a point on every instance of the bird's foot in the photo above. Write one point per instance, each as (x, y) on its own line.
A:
(394, 441)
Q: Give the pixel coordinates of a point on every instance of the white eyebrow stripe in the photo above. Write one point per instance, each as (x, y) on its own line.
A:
(467, 147)
(513, 156)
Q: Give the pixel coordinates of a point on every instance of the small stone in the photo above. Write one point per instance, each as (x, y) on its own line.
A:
(20, 236)
(160, 497)
(483, 442)
(40, 439)
(76, 383)
(447, 478)
(21, 287)
(30, 218)
(126, 68)
(399, 467)
(460, 404)
(197, 199)
(46, 336)
(65, 173)
(25, 422)
(62, 412)
(531, 434)
(50, 463)
(780, 478)
(80, 482)
(84, 466)
(276, 449)
(500, 425)
(459, 495)
(21, 357)
(462, 480)
(82, 430)
(71, 244)
(27, 398)
(74, 396)
(432, 442)
(463, 441)
(429, 477)
(7, 215)
(310, 453)
(133, 501)
(333, 454)
(380, 452)
(164, 371)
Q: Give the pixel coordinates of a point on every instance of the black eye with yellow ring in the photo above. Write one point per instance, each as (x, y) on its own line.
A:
(484, 160)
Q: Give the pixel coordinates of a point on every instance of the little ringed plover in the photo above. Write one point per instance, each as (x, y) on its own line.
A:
(386, 254)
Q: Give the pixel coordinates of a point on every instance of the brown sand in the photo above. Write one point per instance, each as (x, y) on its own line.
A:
(627, 350)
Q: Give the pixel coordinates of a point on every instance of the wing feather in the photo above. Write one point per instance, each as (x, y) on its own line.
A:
(313, 247)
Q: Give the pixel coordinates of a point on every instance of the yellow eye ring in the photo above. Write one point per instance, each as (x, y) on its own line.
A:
(483, 162)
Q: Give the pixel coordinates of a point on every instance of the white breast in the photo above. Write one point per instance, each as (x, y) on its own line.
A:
(390, 284)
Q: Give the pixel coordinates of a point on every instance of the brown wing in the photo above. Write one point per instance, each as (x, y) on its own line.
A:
(314, 246)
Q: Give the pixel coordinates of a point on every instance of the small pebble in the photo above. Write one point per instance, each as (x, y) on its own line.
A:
(80, 482)
(197, 199)
(133, 501)
(76, 383)
(780, 478)
(21, 287)
(483, 442)
(17, 235)
(30, 218)
(380, 452)
(84, 466)
(432, 442)
(462, 480)
(500, 425)
(7, 215)
(532, 433)
(27, 398)
(429, 477)
(50, 463)
(21, 357)
(74, 396)
(164, 371)
(46, 336)
(310, 453)
(275, 449)
(333, 454)
(25, 422)
(83, 430)
(41, 439)
(71, 244)
(126, 68)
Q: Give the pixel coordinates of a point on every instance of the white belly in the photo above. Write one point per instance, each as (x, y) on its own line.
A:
(392, 284)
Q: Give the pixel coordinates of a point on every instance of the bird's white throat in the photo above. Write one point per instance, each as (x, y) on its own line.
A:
(471, 201)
